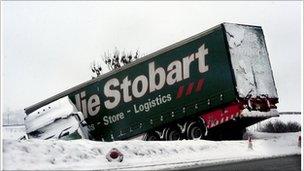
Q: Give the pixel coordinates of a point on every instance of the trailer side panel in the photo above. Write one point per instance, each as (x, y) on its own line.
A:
(188, 79)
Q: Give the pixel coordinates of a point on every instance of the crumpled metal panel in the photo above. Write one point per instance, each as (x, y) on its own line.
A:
(250, 61)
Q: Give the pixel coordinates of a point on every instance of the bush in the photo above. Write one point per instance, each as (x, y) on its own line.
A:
(293, 127)
(280, 127)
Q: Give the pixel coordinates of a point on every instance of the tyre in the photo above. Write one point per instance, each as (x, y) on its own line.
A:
(173, 133)
(152, 136)
(195, 131)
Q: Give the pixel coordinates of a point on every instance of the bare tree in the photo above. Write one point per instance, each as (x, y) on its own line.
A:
(96, 69)
(114, 61)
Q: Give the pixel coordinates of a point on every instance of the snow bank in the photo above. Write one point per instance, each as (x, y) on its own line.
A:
(284, 118)
(86, 154)
(271, 113)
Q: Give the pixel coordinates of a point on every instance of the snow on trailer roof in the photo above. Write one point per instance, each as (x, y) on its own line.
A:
(140, 60)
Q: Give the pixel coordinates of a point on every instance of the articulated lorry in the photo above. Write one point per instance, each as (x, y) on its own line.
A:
(211, 86)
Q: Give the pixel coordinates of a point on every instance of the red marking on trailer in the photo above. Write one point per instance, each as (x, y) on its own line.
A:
(189, 89)
(227, 118)
(199, 85)
(221, 115)
(180, 92)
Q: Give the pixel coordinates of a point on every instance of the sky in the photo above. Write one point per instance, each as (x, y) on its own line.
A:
(47, 47)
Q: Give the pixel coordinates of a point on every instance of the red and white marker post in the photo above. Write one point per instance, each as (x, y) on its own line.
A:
(250, 146)
(114, 155)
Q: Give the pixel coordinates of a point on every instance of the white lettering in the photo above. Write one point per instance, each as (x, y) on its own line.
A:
(84, 104)
(78, 105)
(186, 65)
(93, 105)
(144, 86)
(201, 54)
(175, 72)
(125, 89)
(152, 77)
(114, 94)
(150, 104)
(113, 118)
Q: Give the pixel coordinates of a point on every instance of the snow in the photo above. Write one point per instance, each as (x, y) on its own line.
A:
(58, 119)
(142, 155)
(15, 117)
(58, 128)
(284, 118)
(13, 132)
(46, 115)
(86, 154)
(250, 61)
(271, 113)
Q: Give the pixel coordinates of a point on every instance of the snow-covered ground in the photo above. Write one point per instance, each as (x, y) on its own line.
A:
(89, 155)
(283, 118)
(13, 132)
(86, 154)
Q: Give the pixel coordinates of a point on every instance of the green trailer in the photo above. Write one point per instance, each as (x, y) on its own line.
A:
(182, 90)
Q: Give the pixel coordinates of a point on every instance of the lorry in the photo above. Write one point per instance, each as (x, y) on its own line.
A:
(209, 86)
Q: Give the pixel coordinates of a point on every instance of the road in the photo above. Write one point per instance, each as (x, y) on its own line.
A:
(281, 163)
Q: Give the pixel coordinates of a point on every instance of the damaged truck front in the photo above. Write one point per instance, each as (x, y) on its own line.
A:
(212, 86)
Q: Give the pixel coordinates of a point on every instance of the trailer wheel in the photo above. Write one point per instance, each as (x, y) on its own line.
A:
(173, 133)
(195, 131)
(152, 136)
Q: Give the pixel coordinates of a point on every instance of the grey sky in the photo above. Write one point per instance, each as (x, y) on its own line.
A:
(47, 47)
